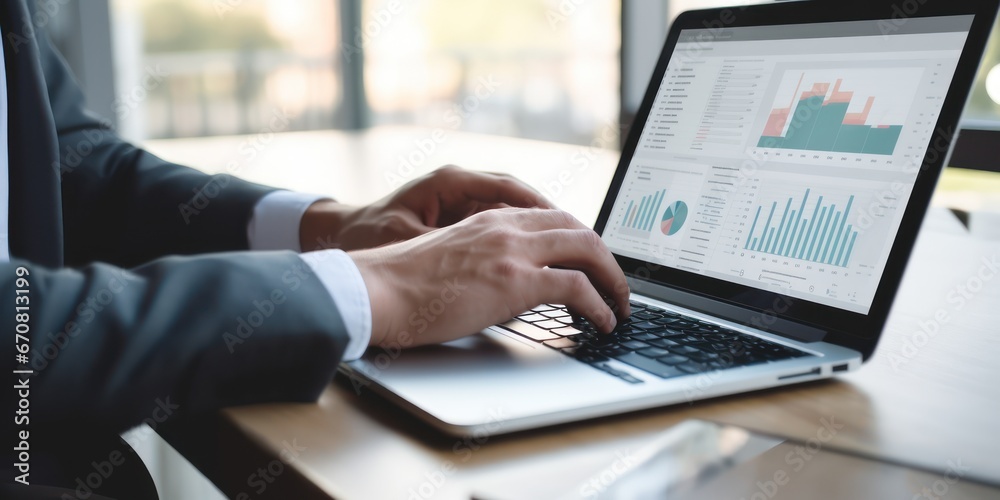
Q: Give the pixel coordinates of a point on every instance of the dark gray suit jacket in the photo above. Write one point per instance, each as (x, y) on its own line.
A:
(139, 295)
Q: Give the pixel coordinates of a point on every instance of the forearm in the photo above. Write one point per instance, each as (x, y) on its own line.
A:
(124, 206)
(278, 223)
(206, 332)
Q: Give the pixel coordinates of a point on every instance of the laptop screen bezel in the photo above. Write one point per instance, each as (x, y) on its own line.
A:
(747, 305)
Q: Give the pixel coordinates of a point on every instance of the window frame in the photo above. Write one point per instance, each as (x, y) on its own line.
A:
(976, 146)
(642, 40)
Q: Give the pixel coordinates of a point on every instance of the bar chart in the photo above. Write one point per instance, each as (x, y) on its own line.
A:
(822, 115)
(803, 230)
(641, 215)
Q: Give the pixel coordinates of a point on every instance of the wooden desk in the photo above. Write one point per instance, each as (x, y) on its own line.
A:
(927, 407)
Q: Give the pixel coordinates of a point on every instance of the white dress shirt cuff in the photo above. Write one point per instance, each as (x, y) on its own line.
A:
(343, 280)
(275, 226)
(275, 221)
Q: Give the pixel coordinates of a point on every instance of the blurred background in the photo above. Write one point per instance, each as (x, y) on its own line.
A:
(226, 66)
(569, 71)
(185, 68)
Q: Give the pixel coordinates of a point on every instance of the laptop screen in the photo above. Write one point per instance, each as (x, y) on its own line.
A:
(782, 157)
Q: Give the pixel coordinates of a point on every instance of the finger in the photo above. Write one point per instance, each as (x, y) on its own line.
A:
(584, 251)
(574, 289)
(497, 188)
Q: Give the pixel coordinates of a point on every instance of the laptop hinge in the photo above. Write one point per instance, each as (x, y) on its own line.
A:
(767, 322)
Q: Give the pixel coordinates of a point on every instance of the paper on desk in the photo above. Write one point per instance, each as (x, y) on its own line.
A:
(680, 460)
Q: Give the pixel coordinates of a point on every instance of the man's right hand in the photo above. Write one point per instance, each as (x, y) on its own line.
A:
(487, 269)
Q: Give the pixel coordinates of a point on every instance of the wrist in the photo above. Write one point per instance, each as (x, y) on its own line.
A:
(372, 264)
(322, 225)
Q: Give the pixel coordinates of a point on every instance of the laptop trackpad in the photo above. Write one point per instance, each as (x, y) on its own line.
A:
(464, 381)
(488, 351)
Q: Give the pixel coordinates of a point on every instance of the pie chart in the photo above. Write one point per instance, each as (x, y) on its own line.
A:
(673, 218)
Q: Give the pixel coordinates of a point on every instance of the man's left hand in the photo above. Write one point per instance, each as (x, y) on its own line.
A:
(439, 199)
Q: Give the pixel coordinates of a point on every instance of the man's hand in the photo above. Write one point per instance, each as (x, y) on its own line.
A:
(485, 270)
(437, 200)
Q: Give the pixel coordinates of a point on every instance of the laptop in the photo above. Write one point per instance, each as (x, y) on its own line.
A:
(768, 198)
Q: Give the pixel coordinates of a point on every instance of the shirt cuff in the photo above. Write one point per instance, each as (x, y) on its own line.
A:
(342, 279)
(276, 218)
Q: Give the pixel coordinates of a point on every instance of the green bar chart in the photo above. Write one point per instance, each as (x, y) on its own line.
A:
(642, 214)
(815, 232)
(820, 119)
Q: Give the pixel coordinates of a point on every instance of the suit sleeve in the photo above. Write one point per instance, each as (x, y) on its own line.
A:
(109, 346)
(124, 205)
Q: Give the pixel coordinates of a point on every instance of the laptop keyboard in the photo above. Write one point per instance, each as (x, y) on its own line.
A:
(654, 340)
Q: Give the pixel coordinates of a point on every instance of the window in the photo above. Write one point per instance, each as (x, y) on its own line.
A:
(194, 68)
(542, 69)
(678, 6)
(984, 104)
(976, 148)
